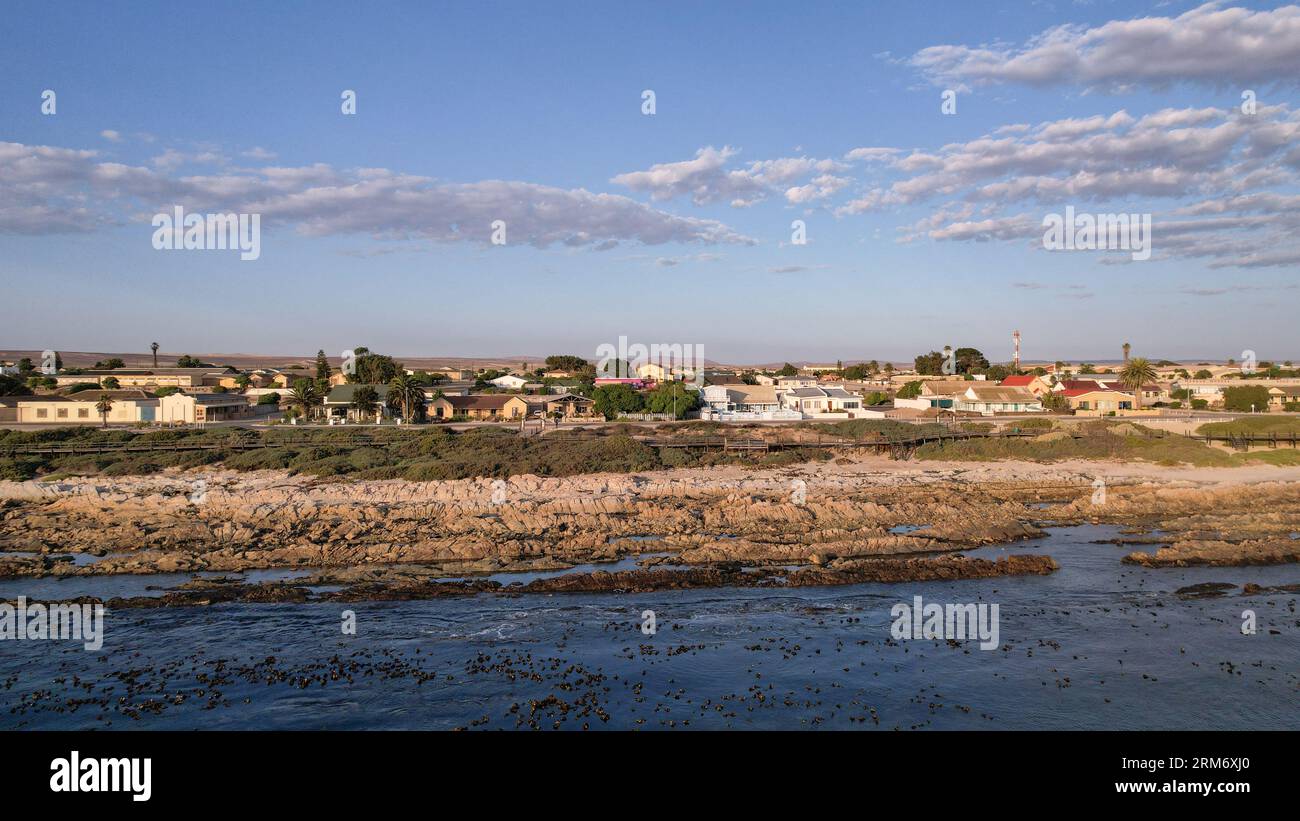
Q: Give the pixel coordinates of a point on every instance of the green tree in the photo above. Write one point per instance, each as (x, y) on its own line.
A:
(322, 366)
(614, 400)
(166, 390)
(1203, 374)
(970, 360)
(405, 393)
(566, 362)
(111, 383)
(243, 381)
(109, 364)
(787, 370)
(911, 390)
(1055, 401)
(674, 398)
(929, 364)
(13, 386)
(304, 396)
(365, 400)
(1134, 375)
(1246, 399)
(187, 361)
(269, 399)
(373, 368)
(104, 406)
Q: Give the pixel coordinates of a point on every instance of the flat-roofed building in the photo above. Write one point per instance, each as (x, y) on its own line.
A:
(183, 378)
(200, 408)
(128, 407)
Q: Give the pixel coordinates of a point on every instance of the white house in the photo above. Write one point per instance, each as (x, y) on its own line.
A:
(988, 399)
(509, 381)
(814, 401)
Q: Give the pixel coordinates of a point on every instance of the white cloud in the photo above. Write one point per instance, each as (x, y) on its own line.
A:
(1209, 45)
(53, 190)
(706, 179)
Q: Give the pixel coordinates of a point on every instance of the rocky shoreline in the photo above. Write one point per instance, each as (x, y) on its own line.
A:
(866, 519)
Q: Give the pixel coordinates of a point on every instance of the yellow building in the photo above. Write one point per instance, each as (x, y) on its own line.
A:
(129, 406)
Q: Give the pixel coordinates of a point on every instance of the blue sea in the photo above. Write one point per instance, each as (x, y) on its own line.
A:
(1096, 645)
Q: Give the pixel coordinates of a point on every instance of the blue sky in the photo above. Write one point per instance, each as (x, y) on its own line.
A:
(668, 228)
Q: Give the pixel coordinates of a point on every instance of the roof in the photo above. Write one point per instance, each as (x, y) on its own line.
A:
(945, 387)
(1081, 384)
(722, 379)
(216, 398)
(93, 395)
(1086, 391)
(148, 372)
(480, 401)
(1018, 381)
(984, 392)
(752, 395)
(343, 394)
(806, 393)
(838, 393)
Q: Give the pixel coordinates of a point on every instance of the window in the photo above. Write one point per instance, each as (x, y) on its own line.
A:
(62, 413)
(42, 413)
(83, 413)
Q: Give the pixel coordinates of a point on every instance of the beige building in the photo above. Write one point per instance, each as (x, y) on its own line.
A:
(198, 408)
(129, 407)
(1281, 395)
(183, 378)
(986, 399)
(480, 406)
(1103, 400)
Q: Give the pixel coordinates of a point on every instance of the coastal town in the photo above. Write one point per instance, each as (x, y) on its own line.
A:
(365, 388)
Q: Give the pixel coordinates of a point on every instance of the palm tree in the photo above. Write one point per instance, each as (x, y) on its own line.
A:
(364, 400)
(154, 348)
(1135, 374)
(1127, 348)
(104, 405)
(304, 396)
(403, 392)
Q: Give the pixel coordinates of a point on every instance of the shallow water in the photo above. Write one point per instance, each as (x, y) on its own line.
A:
(1098, 644)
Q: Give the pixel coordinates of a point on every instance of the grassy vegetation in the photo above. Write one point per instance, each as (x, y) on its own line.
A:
(423, 455)
(1279, 457)
(1097, 441)
(1262, 424)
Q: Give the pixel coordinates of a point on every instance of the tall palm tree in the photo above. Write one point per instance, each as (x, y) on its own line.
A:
(364, 400)
(1135, 374)
(104, 406)
(304, 396)
(1127, 348)
(404, 393)
(154, 348)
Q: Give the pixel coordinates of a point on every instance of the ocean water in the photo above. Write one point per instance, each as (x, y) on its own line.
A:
(1096, 645)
